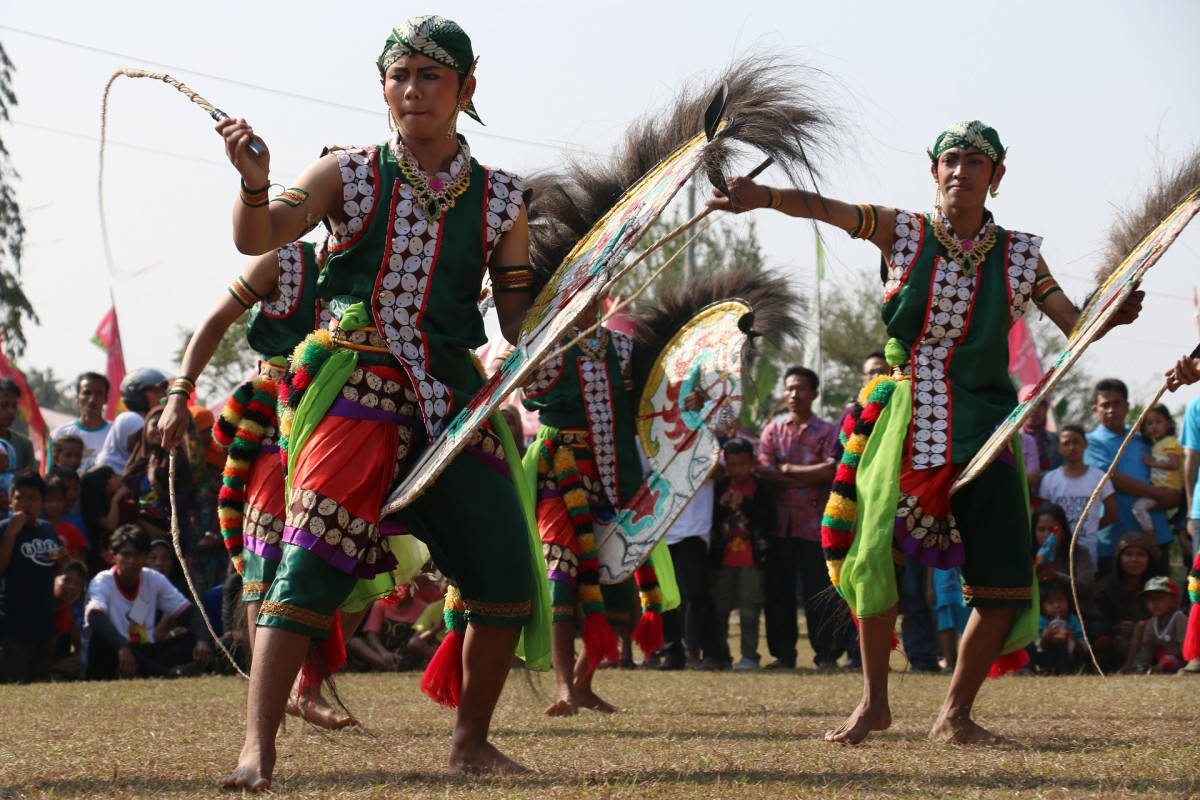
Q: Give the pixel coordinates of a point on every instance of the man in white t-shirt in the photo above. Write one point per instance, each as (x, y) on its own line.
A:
(91, 427)
(123, 633)
(1072, 484)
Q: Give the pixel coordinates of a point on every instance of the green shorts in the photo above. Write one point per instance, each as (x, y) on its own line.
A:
(257, 575)
(992, 518)
(618, 601)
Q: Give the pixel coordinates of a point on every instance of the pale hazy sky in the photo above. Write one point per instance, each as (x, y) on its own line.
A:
(1087, 96)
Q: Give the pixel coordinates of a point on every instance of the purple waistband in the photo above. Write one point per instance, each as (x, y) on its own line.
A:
(390, 526)
(269, 448)
(348, 408)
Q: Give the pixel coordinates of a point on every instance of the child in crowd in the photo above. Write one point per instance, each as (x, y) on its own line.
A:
(105, 505)
(430, 627)
(30, 555)
(52, 512)
(1054, 564)
(743, 513)
(383, 642)
(1165, 460)
(1072, 484)
(1060, 634)
(68, 591)
(8, 460)
(1118, 597)
(66, 452)
(70, 483)
(945, 595)
(1158, 641)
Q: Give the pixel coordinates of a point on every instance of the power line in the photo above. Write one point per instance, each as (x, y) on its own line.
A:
(279, 92)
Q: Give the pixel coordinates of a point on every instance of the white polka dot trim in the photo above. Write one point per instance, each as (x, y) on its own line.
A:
(290, 282)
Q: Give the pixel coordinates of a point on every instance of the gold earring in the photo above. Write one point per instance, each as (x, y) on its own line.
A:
(937, 198)
(454, 120)
(391, 121)
(993, 190)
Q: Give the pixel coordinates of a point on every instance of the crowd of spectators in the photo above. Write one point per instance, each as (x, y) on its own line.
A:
(90, 585)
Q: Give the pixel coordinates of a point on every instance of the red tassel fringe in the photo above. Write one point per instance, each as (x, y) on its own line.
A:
(443, 677)
(599, 641)
(1191, 643)
(332, 658)
(1006, 665)
(648, 635)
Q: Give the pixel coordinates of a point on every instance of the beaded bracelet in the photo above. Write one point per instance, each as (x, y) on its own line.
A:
(867, 222)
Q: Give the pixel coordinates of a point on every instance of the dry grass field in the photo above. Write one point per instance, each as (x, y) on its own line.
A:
(683, 735)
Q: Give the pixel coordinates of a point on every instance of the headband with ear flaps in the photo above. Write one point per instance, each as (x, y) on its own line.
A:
(434, 37)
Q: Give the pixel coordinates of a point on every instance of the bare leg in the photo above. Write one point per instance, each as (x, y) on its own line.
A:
(950, 647)
(587, 696)
(252, 607)
(487, 654)
(981, 642)
(873, 713)
(278, 655)
(562, 652)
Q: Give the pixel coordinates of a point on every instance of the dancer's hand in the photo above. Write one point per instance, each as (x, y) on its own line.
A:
(254, 169)
(172, 425)
(1128, 311)
(1185, 372)
(744, 195)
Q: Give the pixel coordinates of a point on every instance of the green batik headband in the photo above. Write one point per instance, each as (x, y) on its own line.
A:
(434, 37)
(970, 134)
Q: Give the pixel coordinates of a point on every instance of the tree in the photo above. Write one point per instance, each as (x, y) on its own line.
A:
(851, 327)
(50, 391)
(1071, 400)
(15, 307)
(229, 367)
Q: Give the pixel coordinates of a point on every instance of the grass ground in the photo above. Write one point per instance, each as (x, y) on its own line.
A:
(683, 735)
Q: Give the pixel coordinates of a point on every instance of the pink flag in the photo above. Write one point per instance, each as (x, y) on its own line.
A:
(1196, 308)
(1023, 361)
(108, 339)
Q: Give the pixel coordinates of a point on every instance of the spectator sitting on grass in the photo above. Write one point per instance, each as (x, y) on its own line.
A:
(1060, 634)
(1118, 596)
(30, 554)
(383, 642)
(1049, 520)
(1158, 642)
(119, 622)
(1072, 484)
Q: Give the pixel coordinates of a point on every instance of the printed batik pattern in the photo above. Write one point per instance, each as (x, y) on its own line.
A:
(1023, 250)
(951, 296)
(597, 397)
(291, 282)
(909, 230)
(504, 201)
(359, 179)
(331, 523)
(267, 531)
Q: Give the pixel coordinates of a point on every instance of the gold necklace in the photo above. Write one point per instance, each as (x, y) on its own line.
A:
(595, 347)
(434, 195)
(968, 253)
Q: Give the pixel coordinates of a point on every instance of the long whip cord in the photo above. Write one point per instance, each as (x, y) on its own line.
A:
(176, 541)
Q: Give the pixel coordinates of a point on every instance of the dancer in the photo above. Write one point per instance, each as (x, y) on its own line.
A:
(585, 464)
(415, 223)
(279, 289)
(954, 282)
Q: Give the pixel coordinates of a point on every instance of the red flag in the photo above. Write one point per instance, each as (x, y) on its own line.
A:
(108, 339)
(1196, 308)
(1023, 361)
(28, 407)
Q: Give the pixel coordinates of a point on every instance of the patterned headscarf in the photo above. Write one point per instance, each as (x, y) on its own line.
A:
(434, 37)
(970, 134)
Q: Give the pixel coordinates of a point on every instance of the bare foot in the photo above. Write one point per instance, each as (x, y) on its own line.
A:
(964, 730)
(483, 759)
(561, 708)
(316, 709)
(861, 722)
(589, 699)
(253, 770)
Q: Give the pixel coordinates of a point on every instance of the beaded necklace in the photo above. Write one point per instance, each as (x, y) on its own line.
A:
(594, 347)
(433, 194)
(968, 253)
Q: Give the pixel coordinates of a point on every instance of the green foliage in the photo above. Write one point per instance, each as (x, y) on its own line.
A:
(851, 327)
(1071, 400)
(50, 391)
(232, 362)
(15, 308)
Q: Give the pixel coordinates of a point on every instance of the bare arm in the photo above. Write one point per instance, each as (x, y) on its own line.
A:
(1165, 497)
(778, 479)
(262, 274)
(745, 194)
(259, 228)
(512, 251)
(1191, 466)
(1110, 511)
(15, 523)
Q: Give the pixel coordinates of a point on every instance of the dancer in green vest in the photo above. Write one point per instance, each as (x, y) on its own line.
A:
(416, 223)
(954, 283)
